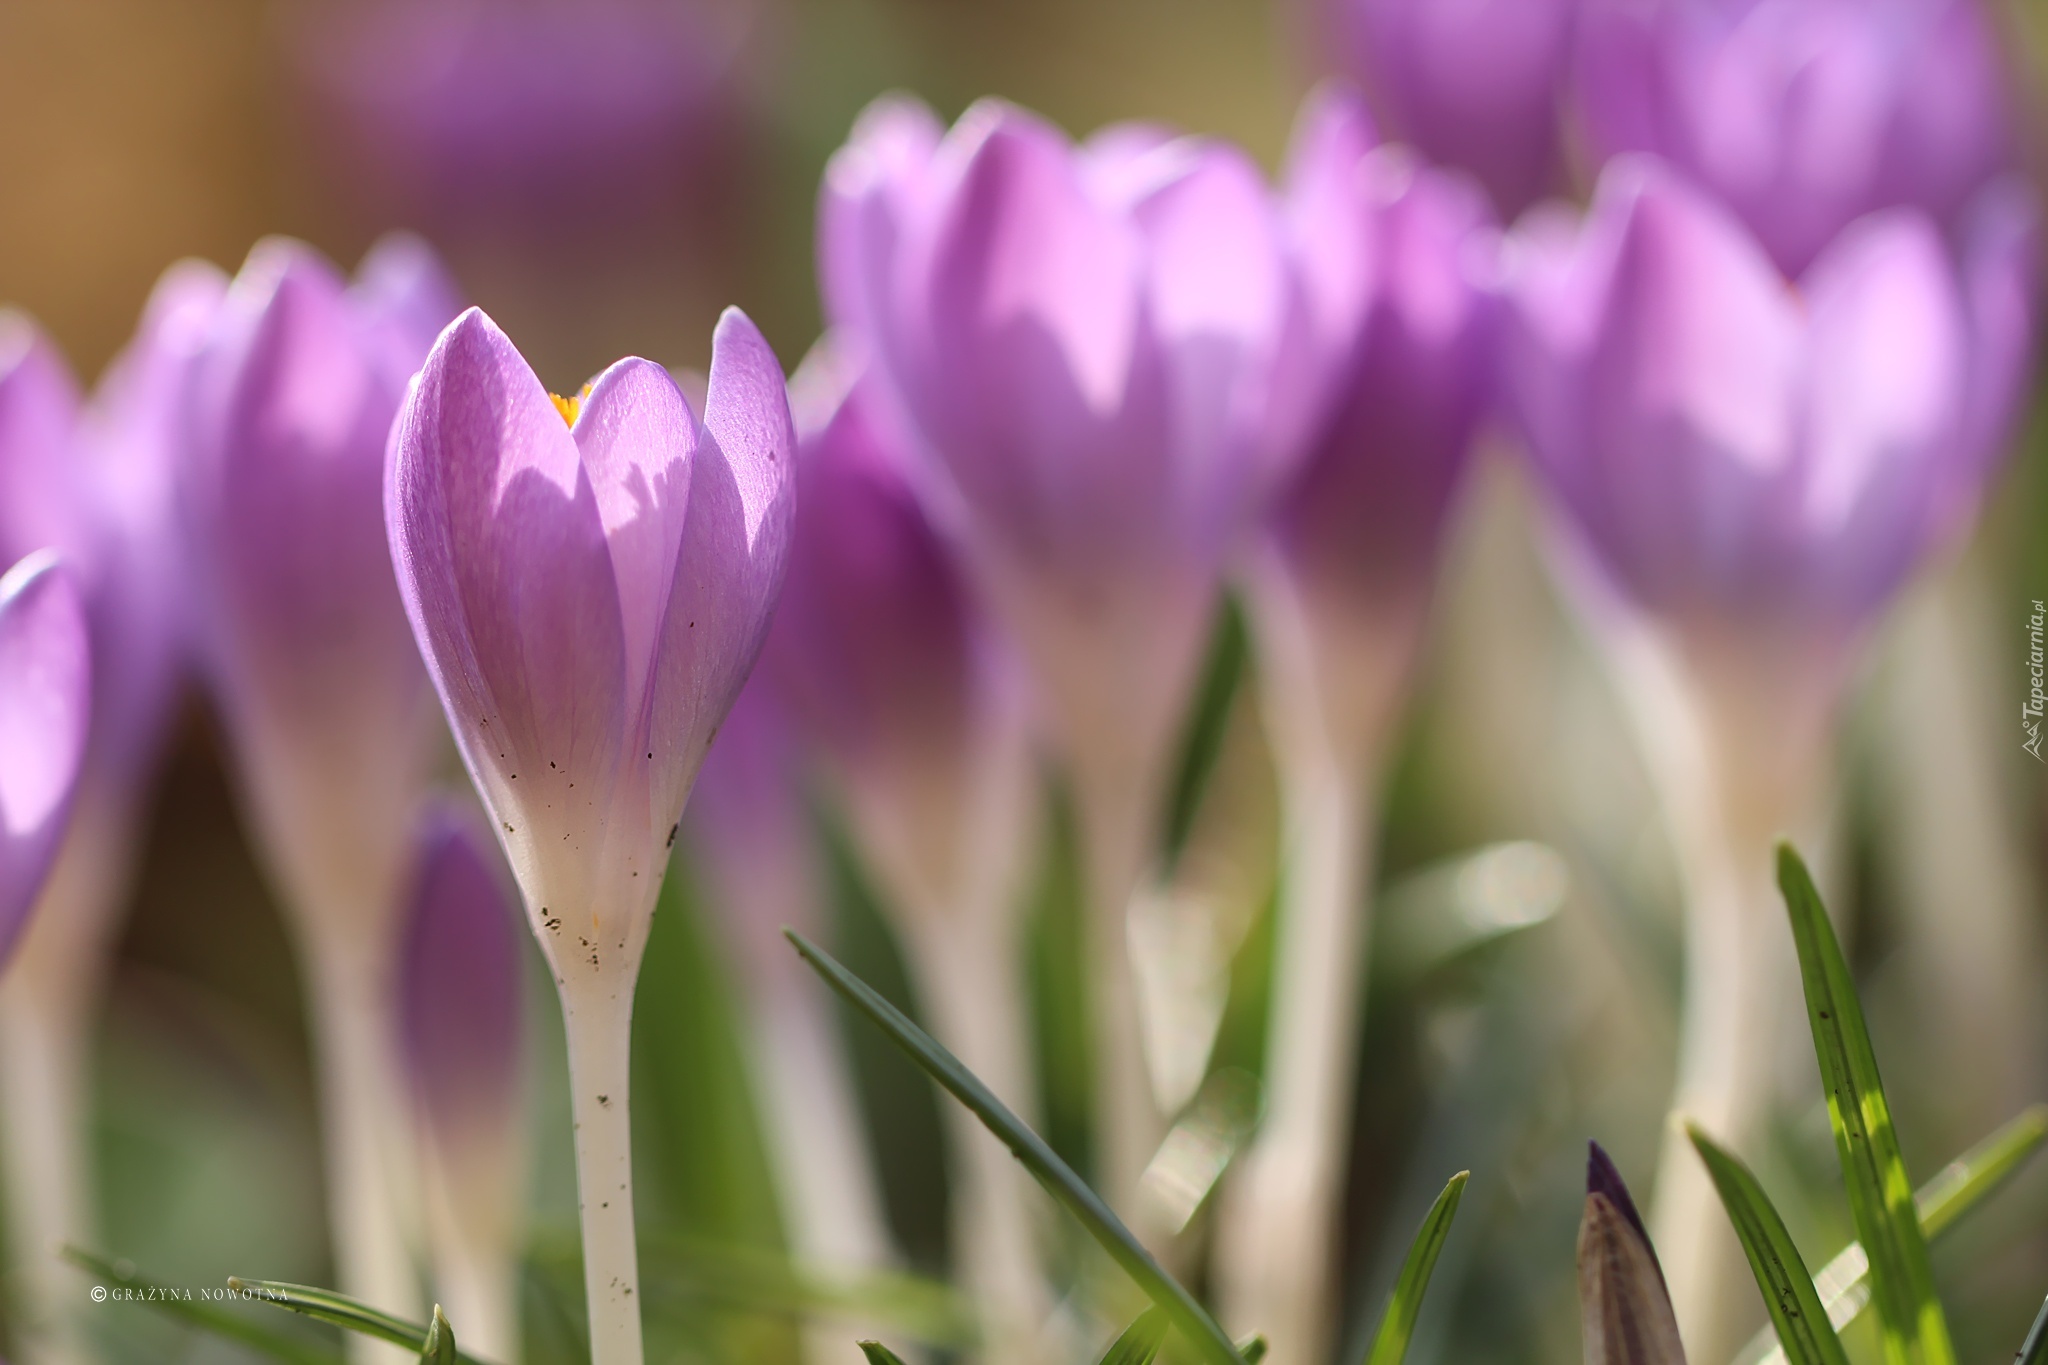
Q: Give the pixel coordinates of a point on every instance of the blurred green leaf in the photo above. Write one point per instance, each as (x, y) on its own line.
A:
(2034, 1351)
(1880, 1196)
(207, 1317)
(1059, 1179)
(1780, 1273)
(1397, 1325)
(349, 1314)
(1959, 1187)
(1252, 1348)
(439, 1347)
(1201, 741)
(878, 1354)
(1139, 1342)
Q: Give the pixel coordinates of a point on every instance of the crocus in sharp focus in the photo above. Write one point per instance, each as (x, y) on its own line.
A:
(761, 868)
(1340, 581)
(590, 580)
(45, 709)
(889, 668)
(462, 1031)
(1099, 354)
(95, 481)
(1476, 84)
(315, 673)
(1745, 470)
(1624, 1311)
(1803, 115)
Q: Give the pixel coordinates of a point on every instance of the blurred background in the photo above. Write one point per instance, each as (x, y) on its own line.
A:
(1516, 1008)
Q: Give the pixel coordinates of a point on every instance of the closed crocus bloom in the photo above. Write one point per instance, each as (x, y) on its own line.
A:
(462, 1032)
(1339, 579)
(1476, 84)
(93, 479)
(916, 708)
(1745, 471)
(45, 707)
(1624, 1311)
(1100, 352)
(1802, 115)
(590, 581)
(315, 673)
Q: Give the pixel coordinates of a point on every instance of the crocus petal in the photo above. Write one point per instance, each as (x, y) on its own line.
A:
(406, 294)
(40, 493)
(1625, 1312)
(461, 985)
(508, 579)
(45, 698)
(1333, 244)
(870, 192)
(2000, 253)
(729, 573)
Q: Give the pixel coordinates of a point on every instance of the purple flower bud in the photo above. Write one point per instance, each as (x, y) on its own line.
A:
(1803, 115)
(1475, 84)
(45, 708)
(589, 595)
(305, 641)
(1397, 249)
(461, 1020)
(1730, 447)
(1103, 353)
(1624, 1308)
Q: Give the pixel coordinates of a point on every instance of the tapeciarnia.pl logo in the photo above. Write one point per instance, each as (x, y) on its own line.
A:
(2037, 671)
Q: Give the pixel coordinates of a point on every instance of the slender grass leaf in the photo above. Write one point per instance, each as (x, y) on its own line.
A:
(2034, 1350)
(1139, 1342)
(1397, 1324)
(339, 1309)
(1957, 1188)
(1028, 1147)
(1252, 1348)
(878, 1354)
(439, 1347)
(1880, 1196)
(1788, 1292)
(205, 1316)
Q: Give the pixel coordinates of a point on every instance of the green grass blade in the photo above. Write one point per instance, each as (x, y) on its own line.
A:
(439, 1347)
(1252, 1348)
(878, 1354)
(2034, 1351)
(1139, 1342)
(1880, 1195)
(1189, 1316)
(1956, 1189)
(1397, 1324)
(342, 1311)
(205, 1316)
(1780, 1273)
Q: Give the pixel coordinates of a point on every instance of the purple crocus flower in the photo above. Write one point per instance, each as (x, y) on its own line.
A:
(1476, 84)
(590, 581)
(45, 707)
(1624, 1310)
(1101, 355)
(1731, 447)
(304, 637)
(462, 1030)
(497, 113)
(1802, 115)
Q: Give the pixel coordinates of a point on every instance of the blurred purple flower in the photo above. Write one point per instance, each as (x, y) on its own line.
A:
(1803, 114)
(1733, 449)
(468, 113)
(1476, 84)
(302, 631)
(590, 595)
(1397, 251)
(1103, 351)
(45, 710)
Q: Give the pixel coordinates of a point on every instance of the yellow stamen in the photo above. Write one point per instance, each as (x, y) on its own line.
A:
(569, 407)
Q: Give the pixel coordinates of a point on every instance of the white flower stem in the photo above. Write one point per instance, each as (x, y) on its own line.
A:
(1277, 1241)
(967, 973)
(597, 1015)
(361, 1123)
(47, 1006)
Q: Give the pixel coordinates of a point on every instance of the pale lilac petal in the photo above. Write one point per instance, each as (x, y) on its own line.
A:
(41, 493)
(506, 573)
(461, 985)
(735, 545)
(870, 192)
(637, 435)
(407, 296)
(1333, 242)
(45, 699)
(2000, 256)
